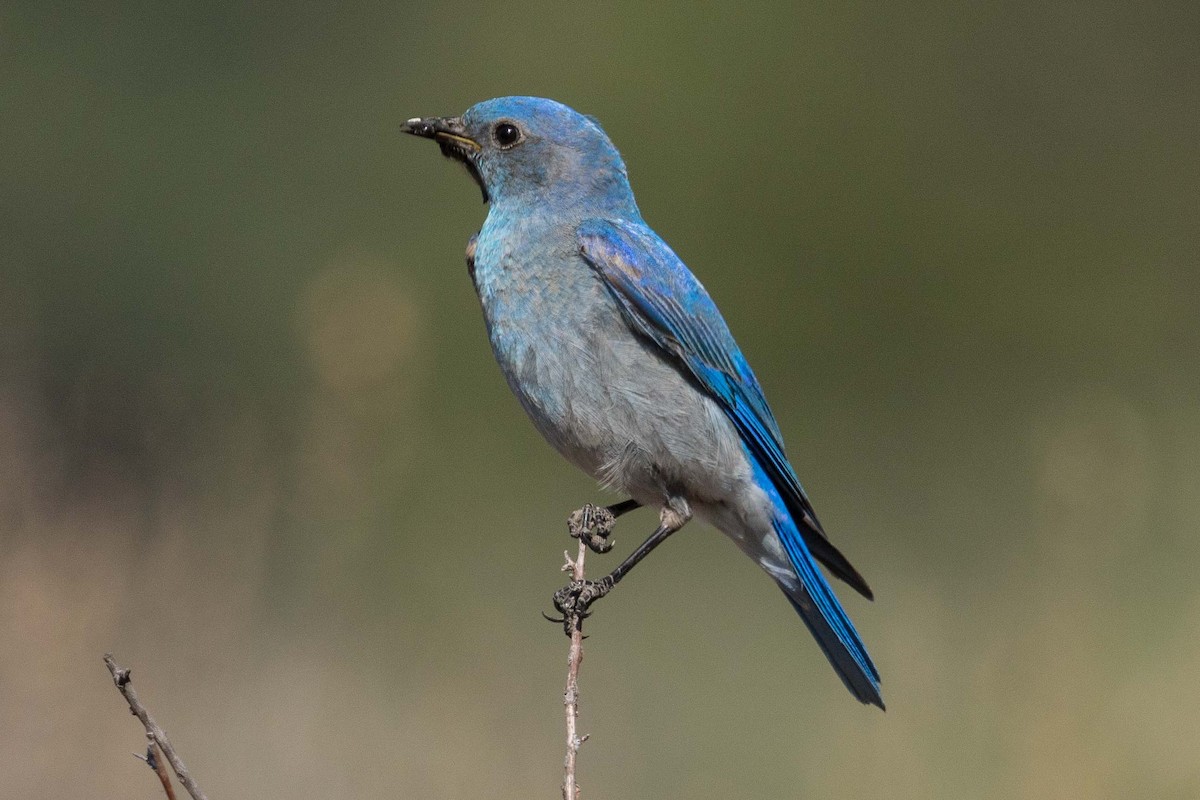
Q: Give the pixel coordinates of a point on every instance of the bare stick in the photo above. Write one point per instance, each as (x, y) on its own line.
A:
(571, 693)
(156, 735)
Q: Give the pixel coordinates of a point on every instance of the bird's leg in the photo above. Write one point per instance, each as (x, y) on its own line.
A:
(594, 524)
(572, 600)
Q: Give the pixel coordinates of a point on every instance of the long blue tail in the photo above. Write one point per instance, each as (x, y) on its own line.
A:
(818, 606)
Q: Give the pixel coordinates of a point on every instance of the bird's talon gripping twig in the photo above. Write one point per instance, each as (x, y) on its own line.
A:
(592, 525)
(574, 600)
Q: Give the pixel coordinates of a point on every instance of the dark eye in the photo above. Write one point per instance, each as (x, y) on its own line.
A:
(506, 134)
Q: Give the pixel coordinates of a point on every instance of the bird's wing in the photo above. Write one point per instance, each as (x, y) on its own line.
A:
(664, 302)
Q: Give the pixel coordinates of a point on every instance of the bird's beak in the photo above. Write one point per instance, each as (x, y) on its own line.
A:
(451, 135)
(449, 130)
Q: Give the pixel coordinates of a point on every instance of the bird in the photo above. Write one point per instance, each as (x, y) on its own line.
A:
(624, 364)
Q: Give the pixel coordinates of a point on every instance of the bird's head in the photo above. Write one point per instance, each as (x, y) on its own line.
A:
(532, 148)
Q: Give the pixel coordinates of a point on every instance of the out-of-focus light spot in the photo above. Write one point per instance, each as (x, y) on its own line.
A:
(1095, 464)
(359, 326)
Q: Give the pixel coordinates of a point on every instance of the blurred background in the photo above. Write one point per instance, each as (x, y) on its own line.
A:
(252, 439)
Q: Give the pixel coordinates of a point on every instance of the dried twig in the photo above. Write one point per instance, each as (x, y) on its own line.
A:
(571, 693)
(156, 735)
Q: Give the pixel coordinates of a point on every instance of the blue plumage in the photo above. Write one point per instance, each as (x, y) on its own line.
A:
(623, 361)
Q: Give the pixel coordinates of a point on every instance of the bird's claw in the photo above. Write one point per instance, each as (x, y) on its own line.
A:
(592, 525)
(573, 600)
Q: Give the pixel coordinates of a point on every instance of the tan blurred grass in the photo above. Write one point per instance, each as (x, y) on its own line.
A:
(1040, 681)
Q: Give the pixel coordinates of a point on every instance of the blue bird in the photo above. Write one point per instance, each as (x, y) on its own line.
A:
(625, 365)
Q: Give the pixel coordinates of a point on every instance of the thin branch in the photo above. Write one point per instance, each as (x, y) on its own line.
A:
(156, 735)
(571, 693)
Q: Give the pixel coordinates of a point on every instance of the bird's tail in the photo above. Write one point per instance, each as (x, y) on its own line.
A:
(818, 606)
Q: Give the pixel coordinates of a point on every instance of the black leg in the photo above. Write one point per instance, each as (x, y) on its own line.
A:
(573, 600)
(594, 524)
(624, 506)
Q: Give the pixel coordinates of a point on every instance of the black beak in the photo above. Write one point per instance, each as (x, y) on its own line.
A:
(451, 135)
(439, 128)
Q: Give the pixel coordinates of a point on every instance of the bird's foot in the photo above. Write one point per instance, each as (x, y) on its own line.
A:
(592, 525)
(574, 599)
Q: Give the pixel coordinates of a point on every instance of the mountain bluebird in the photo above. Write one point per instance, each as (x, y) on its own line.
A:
(624, 364)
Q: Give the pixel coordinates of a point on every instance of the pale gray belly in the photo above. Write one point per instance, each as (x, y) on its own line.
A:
(618, 410)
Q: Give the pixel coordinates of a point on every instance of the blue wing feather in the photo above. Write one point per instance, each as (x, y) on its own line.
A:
(664, 302)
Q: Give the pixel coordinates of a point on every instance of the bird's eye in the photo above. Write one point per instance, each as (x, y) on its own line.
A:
(506, 134)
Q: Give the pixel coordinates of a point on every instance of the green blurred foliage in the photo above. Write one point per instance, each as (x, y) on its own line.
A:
(251, 437)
